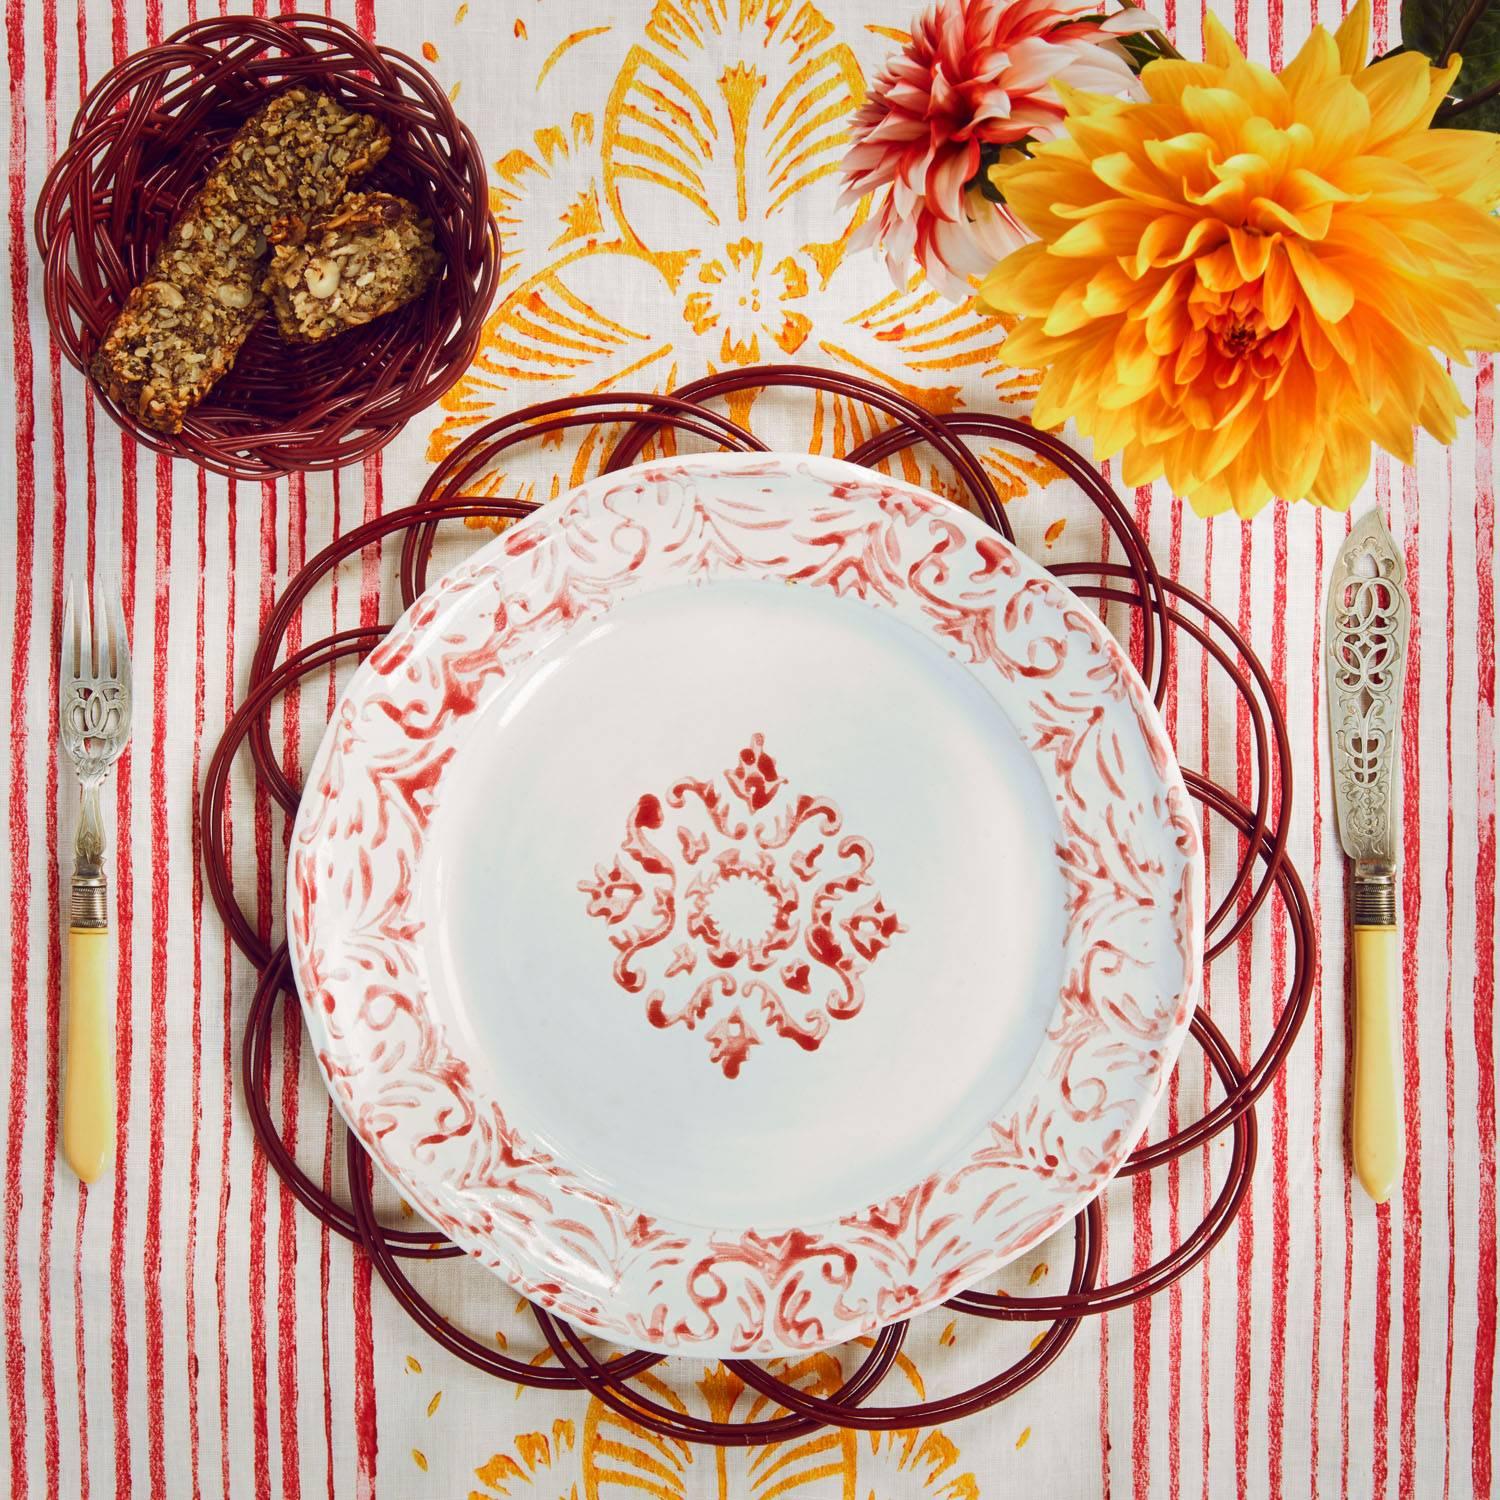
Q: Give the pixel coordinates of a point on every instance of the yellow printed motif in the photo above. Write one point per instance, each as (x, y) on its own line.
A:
(690, 226)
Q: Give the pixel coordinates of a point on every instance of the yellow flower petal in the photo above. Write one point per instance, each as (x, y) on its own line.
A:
(1220, 50)
(1397, 92)
(1329, 293)
(1353, 38)
(1462, 163)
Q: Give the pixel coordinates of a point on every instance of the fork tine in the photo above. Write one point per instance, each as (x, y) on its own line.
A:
(118, 636)
(98, 642)
(69, 665)
(80, 601)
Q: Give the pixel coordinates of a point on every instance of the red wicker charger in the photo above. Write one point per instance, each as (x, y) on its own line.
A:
(1165, 616)
(142, 145)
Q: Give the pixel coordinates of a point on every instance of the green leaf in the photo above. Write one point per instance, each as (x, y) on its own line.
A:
(1426, 26)
(1483, 116)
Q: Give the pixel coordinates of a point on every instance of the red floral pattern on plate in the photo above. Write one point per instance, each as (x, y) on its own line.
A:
(820, 919)
(1128, 850)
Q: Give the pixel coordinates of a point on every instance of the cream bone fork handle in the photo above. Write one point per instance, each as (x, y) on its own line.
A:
(94, 725)
(1369, 615)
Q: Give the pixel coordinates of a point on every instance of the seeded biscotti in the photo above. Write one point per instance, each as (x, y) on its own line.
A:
(181, 329)
(370, 256)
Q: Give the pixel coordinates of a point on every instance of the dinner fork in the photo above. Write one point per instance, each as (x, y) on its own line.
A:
(94, 725)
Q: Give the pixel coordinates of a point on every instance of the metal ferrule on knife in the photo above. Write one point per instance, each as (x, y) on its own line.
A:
(1374, 896)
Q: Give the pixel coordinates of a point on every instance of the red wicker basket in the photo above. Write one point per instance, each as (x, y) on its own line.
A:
(141, 146)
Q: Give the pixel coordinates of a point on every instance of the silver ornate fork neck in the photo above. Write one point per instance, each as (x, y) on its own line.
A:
(94, 725)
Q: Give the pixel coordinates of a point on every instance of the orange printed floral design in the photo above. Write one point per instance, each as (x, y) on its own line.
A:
(690, 226)
(614, 1459)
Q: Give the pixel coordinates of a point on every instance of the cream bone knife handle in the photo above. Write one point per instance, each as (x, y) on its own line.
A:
(1379, 1118)
(88, 1111)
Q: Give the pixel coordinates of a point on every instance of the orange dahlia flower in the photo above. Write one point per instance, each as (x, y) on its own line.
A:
(1239, 283)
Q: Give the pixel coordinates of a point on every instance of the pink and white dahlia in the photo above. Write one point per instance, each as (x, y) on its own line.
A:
(975, 74)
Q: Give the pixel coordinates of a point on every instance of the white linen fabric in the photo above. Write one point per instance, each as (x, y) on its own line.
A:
(663, 176)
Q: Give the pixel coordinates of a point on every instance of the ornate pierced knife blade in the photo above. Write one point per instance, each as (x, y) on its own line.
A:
(1368, 618)
(1369, 615)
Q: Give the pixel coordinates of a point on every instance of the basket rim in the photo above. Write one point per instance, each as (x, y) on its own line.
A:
(80, 292)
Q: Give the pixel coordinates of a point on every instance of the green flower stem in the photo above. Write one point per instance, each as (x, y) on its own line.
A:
(1475, 9)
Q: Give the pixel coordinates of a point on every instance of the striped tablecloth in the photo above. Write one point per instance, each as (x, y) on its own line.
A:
(182, 1329)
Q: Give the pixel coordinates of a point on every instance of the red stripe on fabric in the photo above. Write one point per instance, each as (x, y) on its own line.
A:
(80, 1360)
(1140, 1331)
(1344, 1347)
(369, 577)
(325, 1258)
(1174, 1122)
(1380, 1419)
(1451, 637)
(287, 1210)
(366, 1435)
(1316, 896)
(161, 921)
(261, 826)
(1484, 973)
(1411, 921)
(119, 1288)
(1244, 963)
(50, 1433)
(1383, 1227)
(1205, 760)
(119, 1337)
(195, 1151)
(365, 1428)
(227, 1015)
(195, 1142)
(19, 820)
(81, 13)
(1280, 1187)
(1104, 1438)
(90, 485)
(1346, 1157)
(325, 1238)
(366, 1442)
(51, 1448)
(1140, 1197)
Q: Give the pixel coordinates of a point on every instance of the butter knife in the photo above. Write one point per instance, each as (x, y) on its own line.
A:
(1369, 615)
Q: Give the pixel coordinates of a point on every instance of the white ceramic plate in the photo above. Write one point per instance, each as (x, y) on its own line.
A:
(746, 903)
